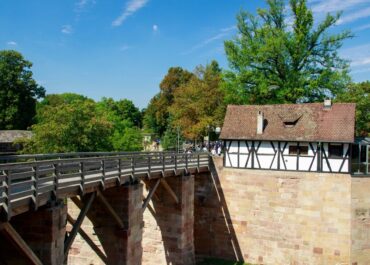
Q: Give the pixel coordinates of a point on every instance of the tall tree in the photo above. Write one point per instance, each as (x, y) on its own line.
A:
(157, 114)
(74, 127)
(124, 109)
(18, 91)
(272, 61)
(198, 104)
(359, 94)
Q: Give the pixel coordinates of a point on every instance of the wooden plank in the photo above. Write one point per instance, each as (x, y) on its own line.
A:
(8, 229)
(69, 240)
(110, 209)
(170, 191)
(150, 195)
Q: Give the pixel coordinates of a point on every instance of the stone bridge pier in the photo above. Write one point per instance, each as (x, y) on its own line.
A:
(150, 222)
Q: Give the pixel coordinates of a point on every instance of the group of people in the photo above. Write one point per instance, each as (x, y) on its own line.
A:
(215, 148)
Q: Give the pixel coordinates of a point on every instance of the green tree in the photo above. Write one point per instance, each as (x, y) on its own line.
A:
(157, 113)
(129, 139)
(198, 104)
(74, 127)
(124, 109)
(274, 62)
(18, 91)
(359, 94)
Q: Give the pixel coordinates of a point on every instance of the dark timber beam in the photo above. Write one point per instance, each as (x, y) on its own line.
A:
(9, 231)
(150, 195)
(170, 191)
(69, 240)
(88, 240)
(110, 209)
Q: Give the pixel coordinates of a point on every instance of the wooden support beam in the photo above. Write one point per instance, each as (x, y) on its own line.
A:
(155, 193)
(69, 240)
(170, 191)
(150, 195)
(110, 209)
(88, 240)
(10, 232)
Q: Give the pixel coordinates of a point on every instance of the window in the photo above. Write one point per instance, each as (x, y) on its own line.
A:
(335, 150)
(295, 149)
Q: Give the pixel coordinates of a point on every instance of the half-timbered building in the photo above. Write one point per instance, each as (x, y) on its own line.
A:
(313, 137)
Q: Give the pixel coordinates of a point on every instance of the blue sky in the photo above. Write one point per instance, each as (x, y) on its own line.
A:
(123, 48)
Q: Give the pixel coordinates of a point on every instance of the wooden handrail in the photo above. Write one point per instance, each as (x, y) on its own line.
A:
(28, 182)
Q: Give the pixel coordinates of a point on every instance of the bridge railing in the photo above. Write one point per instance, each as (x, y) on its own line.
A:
(30, 183)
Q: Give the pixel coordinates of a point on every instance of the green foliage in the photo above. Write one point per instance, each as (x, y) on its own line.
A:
(18, 91)
(198, 104)
(157, 113)
(130, 139)
(171, 138)
(273, 62)
(359, 94)
(124, 109)
(74, 127)
(74, 123)
(125, 118)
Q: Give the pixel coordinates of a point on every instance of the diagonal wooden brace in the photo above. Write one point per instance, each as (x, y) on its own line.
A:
(150, 195)
(110, 209)
(170, 191)
(10, 232)
(69, 240)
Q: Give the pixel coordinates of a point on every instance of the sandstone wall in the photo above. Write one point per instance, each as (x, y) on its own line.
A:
(273, 217)
(360, 221)
(168, 236)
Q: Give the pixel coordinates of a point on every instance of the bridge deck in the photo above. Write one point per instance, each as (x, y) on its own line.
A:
(26, 185)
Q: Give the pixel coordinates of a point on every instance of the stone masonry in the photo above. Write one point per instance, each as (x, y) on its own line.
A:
(275, 217)
(168, 233)
(44, 232)
(100, 240)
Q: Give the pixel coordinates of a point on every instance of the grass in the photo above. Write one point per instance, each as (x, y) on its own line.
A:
(220, 262)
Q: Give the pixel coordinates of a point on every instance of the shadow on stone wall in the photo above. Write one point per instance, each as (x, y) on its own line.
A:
(104, 237)
(175, 221)
(214, 231)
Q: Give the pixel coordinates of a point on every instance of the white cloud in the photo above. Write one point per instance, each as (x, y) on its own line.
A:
(324, 6)
(67, 29)
(358, 14)
(12, 43)
(359, 56)
(155, 28)
(131, 7)
(220, 35)
(363, 27)
(83, 4)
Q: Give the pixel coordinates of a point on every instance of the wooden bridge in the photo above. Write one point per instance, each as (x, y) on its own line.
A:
(41, 184)
(30, 181)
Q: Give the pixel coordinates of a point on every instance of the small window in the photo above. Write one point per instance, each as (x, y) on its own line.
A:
(295, 149)
(335, 150)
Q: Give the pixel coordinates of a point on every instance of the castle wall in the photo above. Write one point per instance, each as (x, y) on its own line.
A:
(274, 217)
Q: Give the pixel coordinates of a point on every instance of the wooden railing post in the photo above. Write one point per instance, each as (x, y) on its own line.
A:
(133, 165)
(56, 177)
(149, 163)
(82, 171)
(103, 173)
(186, 161)
(119, 170)
(8, 195)
(163, 162)
(176, 156)
(35, 186)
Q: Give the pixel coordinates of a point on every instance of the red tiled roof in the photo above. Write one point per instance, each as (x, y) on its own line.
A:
(313, 122)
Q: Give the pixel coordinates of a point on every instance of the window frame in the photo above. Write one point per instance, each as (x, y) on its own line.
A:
(335, 146)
